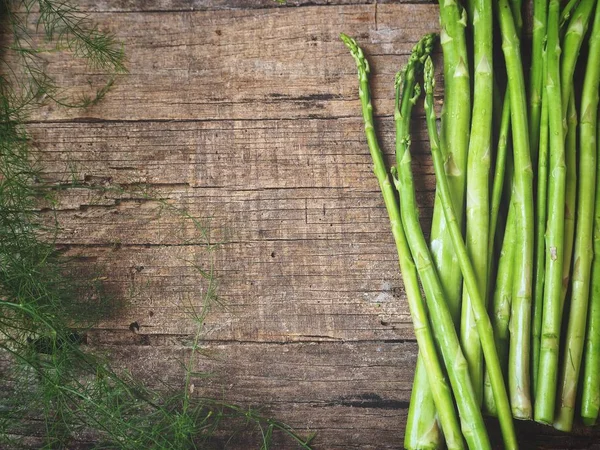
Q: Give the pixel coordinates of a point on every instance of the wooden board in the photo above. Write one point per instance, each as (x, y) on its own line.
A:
(246, 113)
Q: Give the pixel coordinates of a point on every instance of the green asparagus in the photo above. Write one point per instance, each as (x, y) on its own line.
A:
(545, 396)
(583, 253)
(482, 320)
(540, 11)
(472, 424)
(519, 352)
(540, 230)
(572, 42)
(437, 383)
(478, 186)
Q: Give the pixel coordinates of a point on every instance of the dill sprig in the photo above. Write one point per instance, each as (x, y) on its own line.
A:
(65, 30)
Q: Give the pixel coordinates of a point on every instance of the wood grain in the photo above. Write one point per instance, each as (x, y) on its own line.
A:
(278, 63)
(210, 5)
(246, 114)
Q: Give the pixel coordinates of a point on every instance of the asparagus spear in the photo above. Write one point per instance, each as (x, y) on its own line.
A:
(499, 187)
(540, 224)
(516, 6)
(456, 120)
(519, 354)
(437, 383)
(478, 168)
(455, 129)
(422, 426)
(502, 289)
(572, 42)
(551, 320)
(499, 176)
(570, 195)
(406, 93)
(503, 293)
(484, 326)
(502, 300)
(583, 242)
(590, 398)
(470, 415)
(540, 8)
(422, 429)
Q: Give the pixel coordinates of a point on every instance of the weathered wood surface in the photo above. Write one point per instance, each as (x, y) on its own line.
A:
(247, 112)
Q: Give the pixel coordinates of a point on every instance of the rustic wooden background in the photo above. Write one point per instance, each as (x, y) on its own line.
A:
(247, 112)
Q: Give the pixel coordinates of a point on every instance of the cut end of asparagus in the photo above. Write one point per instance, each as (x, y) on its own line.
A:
(521, 408)
(589, 421)
(564, 419)
(543, 420)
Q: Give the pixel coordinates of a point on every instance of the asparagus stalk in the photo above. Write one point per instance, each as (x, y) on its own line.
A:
(422, 427)
(540, 11)
(516, 6)
(471, 419)
(519, 352)
(437, 383)
(498, 183)
(549, 343)
(572, 42)
(567, 386)
(478, 169)
(590, 398)
(502, 289)
(503, 293)
(583, 243)
(540, 224)
(570, 195)
(455, 128)
(502, 300)
(504, 264)
(456, 120)
(484, 326)
(408, 91)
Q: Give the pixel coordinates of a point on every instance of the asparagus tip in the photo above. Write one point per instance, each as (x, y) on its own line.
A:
(399, 77)
(422, 49)
(428, 76)
(356, 52)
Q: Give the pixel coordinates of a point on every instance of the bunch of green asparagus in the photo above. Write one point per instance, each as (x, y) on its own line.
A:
(509, 323)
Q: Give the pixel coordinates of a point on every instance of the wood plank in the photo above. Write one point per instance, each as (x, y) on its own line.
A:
(241, 64)
(241, 155)
(270, 215)
(211, 5)
(346, 393)
(269, 292)
(353, 395)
